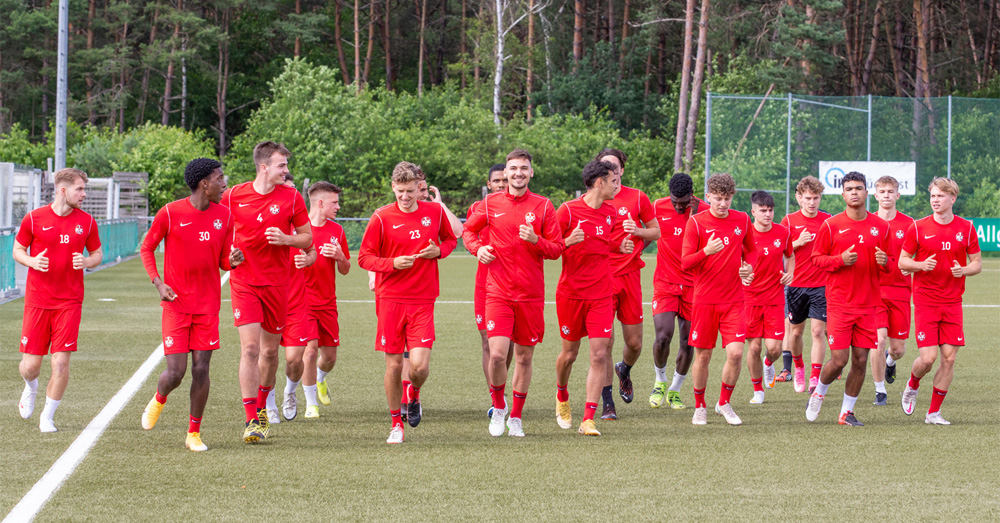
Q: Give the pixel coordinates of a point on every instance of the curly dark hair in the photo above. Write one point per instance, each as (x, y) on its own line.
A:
(199, 169)
(681, 185)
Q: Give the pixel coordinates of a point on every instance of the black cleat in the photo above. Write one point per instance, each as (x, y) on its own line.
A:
(609, 412)
(624, 382)
(848, 418)
(414, 412)
(879, 399)
(890, 373)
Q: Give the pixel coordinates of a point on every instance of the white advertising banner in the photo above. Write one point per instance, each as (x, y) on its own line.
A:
(831, 174)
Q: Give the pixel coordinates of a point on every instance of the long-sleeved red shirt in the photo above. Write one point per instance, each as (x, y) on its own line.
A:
(853, 287)
(717, 277)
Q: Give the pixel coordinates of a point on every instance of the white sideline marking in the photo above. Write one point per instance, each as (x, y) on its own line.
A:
(967, 306)
(42, 491)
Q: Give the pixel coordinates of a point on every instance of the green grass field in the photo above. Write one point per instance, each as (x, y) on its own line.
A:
(649, 465)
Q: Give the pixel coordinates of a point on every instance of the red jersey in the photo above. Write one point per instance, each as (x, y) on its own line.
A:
(586, 266)
(853, 287)
(61, 287)
(484, 238)
(296, 284)
(717, 277)
(197, 246)
(321, 277)
(668, 247)
(952, 242)
(517, 272)
(627, 202)
(807, 274)
(892, 284)
(254, 213)
(772, 247)
(391, 233)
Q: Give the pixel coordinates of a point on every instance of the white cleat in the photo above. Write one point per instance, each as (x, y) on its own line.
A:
(700, 416)
(497, 422)
(396, 435)
(769, 376)
(815, 403)
(909, 400)
(27, 404)
(726, 411)
(47, 425)
(273, 417)
(514, 428)
(934, 418)
(290, 407)
(758, 397)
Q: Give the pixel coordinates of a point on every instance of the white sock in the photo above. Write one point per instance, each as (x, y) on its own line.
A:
(675, 385)
(320, 374)
(889, 361)
(310, 391)
(271, 405)
(880, 387)
(290, 385)
(848, 405)
(661, 374)
(31, 385)
(822, 387)
(49, 411)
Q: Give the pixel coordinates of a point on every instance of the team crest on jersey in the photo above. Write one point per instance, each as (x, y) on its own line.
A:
(168, 341)
(236, 314)
(921, 336)
(426, 222)
(622, 211)
(607, 219)
(899, 234)
(479, 319)
(24, 340)
(777, 244)
(217, 224)
(333, 240)
(565, 330)
(490, 325)
(959, 236)
(874, 231)
(275, 209)
(694, 335)
(737, 231)
(529, 217)
(79, 229)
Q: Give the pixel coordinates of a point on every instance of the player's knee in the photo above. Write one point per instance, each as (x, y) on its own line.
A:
(251, 350)
(948, 360)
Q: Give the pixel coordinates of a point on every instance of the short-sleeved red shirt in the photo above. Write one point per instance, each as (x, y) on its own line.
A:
(321, 277)
(668, 247)
(634, 203)
(61, 287)
(948, 243)
(254, 213)
(586, 268)
(854, 287)
(893, 285)
(807, 274)
(772, 247)
(717, 277)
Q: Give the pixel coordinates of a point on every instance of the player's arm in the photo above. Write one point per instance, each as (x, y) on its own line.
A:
(95, 254)
(650, 230)
(750, 254)
(974, 267)
(691, 255)
(789, 259)
(368, 255)
(822, 255)
(39, 262)
(230, 257)
(571, 234)
(907, 263)
(147, 250)
(344, 263)
(474, 223)
(550, 244)
(456, 224)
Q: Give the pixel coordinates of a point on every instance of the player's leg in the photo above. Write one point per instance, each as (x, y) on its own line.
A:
(663, 325)
(564, 366)
(420, 359)
(293, 376)
(607, 390)
(682, 363)
(499, 347)
(942, 381)
(841, 334)
(393, 391)
(879, 365)
(852, 385)
(169, 380)
(310, 383)
(599, 358)
(899, 331)
(699, 381)
(730, 375)
(794, 333)
(30, 367)
(756, 369)
(486, 354)
(523, 356)
(249, 378)
(404, 399)
(200, 385)
(632, 335)
(54, 391)
(817, 352)
(772, 351)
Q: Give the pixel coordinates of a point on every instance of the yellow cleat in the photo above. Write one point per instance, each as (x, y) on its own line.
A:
(322, 392)
(252, 434)
(587, 428)
(265, 424)
(194, 443)
(312, 411)
(151, 414)
(563, 417)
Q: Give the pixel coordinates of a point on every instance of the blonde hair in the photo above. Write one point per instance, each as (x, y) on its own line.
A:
(946, 185)
(809, 184)
(68, 175)
(887, 180)
(406, 172)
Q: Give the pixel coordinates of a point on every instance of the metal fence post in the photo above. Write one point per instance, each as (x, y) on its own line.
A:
(868, 157)
(949, 136)
(708, 138)
(788, 158)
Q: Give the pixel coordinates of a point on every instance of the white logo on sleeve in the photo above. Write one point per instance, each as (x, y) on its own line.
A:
(426, 222)
(479, 319)
(24, 341)
(694, 335)
(607, 219)
(383, 341)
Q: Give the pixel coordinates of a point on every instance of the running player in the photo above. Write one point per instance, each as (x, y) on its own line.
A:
(764, 297)
(630, 204)
(263, 210)
(805, 297)
(583, 296)
(673, 291)
(892, 316)
(851, 246)
(56, 235)
(402, 244)
(940, 250)
(523, 231)
(718, 248)
(495, 182)
(199, 241)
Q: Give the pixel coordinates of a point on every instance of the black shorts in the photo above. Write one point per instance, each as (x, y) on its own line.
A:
(805, 302)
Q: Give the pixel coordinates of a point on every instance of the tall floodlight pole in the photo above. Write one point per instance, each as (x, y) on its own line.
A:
(61, 84)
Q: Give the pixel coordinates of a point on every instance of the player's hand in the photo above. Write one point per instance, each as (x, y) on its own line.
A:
(803, 239)
(786, 278)
(371, 280)
(301, 260)
(333, 250)
(849, 256)
(905, 272)
(881, 257)
(430, 252)
(746, 271)
(929, 263)
(235, 257)
(434, 193)
(628, 246)
(275, 236)
(576, 236)
(77, 261)
(403, 262)
(957, 270)
(41, 262)
(713, 246)
(166, 293)
(527, 233)
(629, 224)
(485, 254)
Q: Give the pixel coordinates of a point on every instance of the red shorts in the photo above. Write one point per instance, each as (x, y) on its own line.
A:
(894, 316)
(850, 328)
(40, 327)
(298, 329)
(674, 298)
(184, 333)
(765, 321)
(626, 298)
(264, 304)
(479, 307)
(712, 319)
(325, 323)
(403, 326)
(939, 325)
(523, 322)
(590, 318)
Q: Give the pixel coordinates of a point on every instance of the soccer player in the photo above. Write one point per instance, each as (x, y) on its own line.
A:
(764, 297)
(718, 248)
(430, 193)
(56, 236)
(892, 316)
(523, 231)
(673, 291)
(265, 212)
(630, 204)
(583, 296)
(199, 241)
(940, 250)
(496, 182)
(402, 244)
(805, 297)
(851, 247)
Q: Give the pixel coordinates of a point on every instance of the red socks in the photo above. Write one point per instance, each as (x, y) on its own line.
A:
(250, 406)
(194, 425)
(726, 393)
(497, 393)
(262, 393)
(699, 398)
(414, 393)
(588, 411)
(758, 384)
(768, 362)
(396, 418)
(519, 398)
(404, 399)
(936, 399)
(914, 382)
(816, 369)
(160, 399)
(798, 361)
(561, 393)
